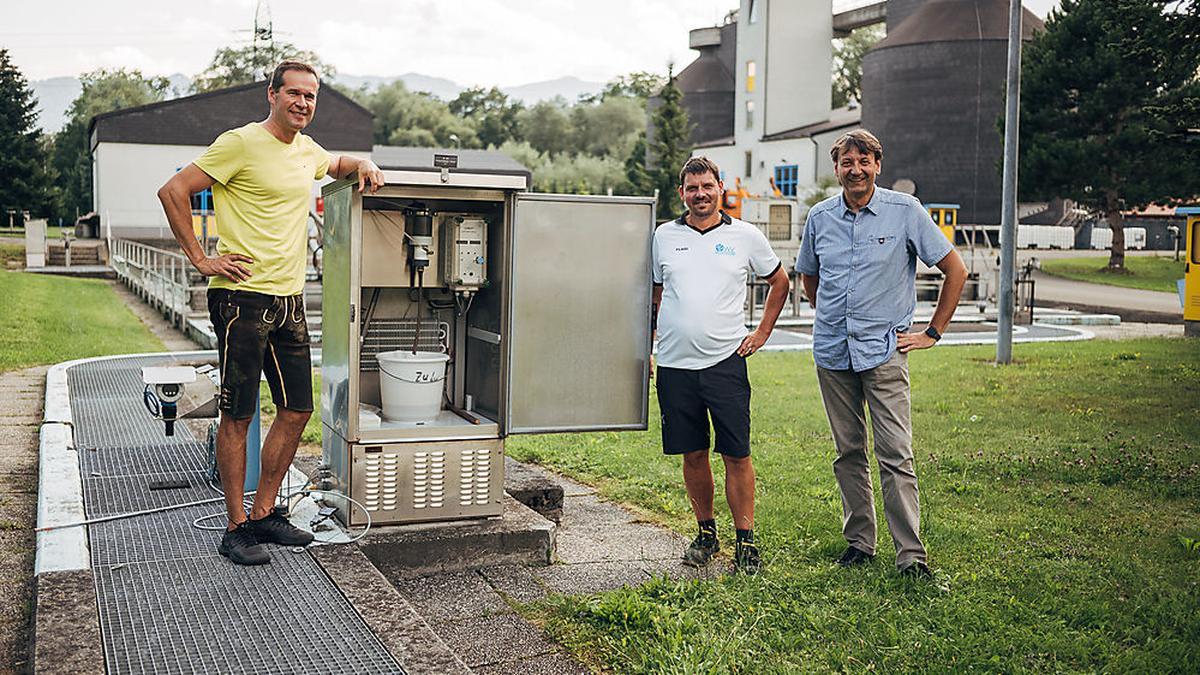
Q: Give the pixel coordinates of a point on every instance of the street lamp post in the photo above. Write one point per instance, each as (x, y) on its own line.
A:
(1008, 216)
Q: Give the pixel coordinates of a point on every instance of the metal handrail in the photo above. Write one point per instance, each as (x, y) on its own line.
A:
(159, 276)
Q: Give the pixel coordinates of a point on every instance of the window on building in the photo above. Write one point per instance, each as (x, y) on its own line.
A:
(203, 200)
(749, 114)
(779, 222)
(786, 178)
(750, 72)
(749, 163)
(1195, 240)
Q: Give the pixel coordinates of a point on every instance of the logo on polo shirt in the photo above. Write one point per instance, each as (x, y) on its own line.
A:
(722, 249)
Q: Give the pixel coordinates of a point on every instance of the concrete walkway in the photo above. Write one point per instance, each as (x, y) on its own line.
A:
(20, 413)
(1130, 303)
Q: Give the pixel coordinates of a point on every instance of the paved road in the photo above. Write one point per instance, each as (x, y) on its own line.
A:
(1054, 290)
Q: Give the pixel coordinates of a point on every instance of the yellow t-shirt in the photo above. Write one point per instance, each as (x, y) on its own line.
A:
(261, 197)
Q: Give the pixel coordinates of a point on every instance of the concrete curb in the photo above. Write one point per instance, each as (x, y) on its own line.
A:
(1075, 335)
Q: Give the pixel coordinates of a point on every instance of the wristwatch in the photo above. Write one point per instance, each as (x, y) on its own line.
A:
(933, 333)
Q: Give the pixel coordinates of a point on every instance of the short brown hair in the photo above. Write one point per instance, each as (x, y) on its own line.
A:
(859, 139)
(276, 80)
(698, 166)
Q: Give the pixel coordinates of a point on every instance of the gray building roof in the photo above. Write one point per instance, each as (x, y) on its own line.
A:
(340, 123)
(469, 161)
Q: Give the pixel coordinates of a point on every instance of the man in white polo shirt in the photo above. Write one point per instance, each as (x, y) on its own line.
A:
(702, 262)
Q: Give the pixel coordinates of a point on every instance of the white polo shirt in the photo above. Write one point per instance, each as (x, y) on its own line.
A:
(701, 319)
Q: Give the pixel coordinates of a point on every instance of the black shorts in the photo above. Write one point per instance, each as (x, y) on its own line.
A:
(259, 335)
(688, 397)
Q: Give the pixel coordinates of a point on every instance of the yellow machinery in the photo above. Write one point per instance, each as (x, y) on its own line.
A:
(733, 199)
(945, 216)
(1191, 274)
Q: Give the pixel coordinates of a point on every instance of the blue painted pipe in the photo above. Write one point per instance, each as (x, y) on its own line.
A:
(254, 446)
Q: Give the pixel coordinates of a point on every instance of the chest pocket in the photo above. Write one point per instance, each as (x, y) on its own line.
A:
(877, 248)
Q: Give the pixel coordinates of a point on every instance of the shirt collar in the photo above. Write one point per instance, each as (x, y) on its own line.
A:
(872, 205)
(682, 220)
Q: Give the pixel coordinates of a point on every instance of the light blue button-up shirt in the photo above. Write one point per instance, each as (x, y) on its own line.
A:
(867, 263)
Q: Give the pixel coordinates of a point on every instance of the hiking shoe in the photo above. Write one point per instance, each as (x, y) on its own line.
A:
(240, 546)
(746, 559)
(852, 557)
(275, 529)
(701, 550)
(916, 570)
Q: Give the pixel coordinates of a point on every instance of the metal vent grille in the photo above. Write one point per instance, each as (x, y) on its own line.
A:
(204, 615)
(475, 474)
(380, 480)
(429, 480)
(168, 603)
(385, 335)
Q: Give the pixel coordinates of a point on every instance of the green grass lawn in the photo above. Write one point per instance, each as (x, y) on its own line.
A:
(48, 319)
(1057, 497)
(12, 255)
(1151, 273)
(51, 232)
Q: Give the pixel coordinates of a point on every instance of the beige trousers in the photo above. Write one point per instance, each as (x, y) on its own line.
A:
(885, 391)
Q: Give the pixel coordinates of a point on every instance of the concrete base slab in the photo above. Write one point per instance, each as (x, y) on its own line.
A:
(520, 536)
(1191, 328)
(497, 639)
(66, 626)
(533, 489)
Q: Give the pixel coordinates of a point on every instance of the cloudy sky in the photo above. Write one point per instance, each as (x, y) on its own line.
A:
(472, 42)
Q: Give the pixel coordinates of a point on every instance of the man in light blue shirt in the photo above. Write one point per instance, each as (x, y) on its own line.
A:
(857, 262)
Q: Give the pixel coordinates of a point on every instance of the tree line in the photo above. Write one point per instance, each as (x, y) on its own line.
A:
(591, 146)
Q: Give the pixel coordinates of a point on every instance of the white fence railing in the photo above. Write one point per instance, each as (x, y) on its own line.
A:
(159, 276)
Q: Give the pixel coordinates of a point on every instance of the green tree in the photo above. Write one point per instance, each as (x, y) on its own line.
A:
(847, 63)
(547, 126)
(103, 91)
(24, 184)
(1105, 117)
(638, 181)
(671, 147)
(232, 66)
(639, 84)
(608, 127)
(493, 114)
(408, 118)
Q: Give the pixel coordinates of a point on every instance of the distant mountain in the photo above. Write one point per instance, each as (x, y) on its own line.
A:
(56, 94)
(570, 88)
(54, 97)
(438, 86)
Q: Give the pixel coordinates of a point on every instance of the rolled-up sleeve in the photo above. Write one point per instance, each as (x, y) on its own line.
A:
(926, 238)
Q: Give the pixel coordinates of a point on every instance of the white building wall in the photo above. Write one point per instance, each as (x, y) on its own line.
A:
(126, 179)
(788, 41)
(799, 64)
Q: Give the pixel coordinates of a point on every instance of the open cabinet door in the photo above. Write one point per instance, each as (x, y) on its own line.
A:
(579, 313)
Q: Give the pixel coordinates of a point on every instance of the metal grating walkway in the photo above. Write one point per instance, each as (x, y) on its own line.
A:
(168, 602)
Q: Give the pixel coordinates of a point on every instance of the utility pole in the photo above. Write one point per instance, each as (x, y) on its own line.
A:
(1008, 216)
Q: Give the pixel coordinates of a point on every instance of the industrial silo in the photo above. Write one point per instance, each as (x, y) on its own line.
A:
(933, 91)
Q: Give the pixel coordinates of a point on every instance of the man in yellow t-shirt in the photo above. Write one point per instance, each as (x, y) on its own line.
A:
(261, 175)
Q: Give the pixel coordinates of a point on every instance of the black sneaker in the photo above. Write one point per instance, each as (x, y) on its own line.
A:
(240, 546)
(916, 570)
(701, 550)
(853, 556)
(275, 529)
(746, 559)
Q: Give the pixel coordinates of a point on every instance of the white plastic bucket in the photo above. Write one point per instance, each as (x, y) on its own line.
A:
(411, 384)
